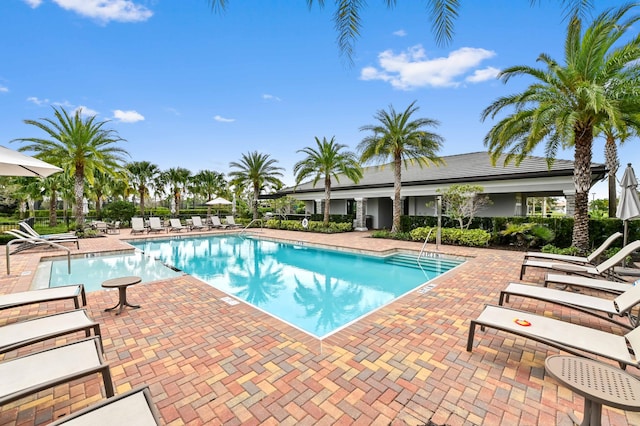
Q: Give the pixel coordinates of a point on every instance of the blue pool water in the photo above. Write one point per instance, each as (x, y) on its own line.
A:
(318, 291)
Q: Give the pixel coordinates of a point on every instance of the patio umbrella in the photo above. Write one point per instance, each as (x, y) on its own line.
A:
(218, 201)
(629, 204)
(14, 163)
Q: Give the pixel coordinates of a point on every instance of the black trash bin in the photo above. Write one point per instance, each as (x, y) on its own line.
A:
(368, 221)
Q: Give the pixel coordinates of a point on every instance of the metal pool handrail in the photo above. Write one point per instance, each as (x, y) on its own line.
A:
(424, 246)
(36, 241)
(250, 223)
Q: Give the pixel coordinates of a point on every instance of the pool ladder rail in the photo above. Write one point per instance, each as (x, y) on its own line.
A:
(244, 230)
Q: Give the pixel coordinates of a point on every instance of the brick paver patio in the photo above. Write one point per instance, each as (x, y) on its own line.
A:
(208, 362)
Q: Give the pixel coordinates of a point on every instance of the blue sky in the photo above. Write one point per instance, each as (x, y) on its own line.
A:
(187, 87)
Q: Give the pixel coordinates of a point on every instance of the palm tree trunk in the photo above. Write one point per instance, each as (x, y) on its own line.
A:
(327, 200)
(78, 189)
(397, 186)
(256, 195)
(612, 163)
(53, 217)
(142, 191)
(582, 182)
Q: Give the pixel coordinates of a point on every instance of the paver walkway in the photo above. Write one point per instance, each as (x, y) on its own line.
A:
(208, 362)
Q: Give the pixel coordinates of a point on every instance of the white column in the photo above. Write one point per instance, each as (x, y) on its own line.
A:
(361, 209)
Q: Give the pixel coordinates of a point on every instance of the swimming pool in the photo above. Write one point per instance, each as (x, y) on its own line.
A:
(317, 290)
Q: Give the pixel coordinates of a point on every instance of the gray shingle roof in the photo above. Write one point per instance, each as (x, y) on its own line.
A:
(467, 168)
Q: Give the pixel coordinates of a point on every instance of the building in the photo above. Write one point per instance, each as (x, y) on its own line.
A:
(508, 187)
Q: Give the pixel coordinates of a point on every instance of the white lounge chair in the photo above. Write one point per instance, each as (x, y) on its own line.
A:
(215, 223)
(32, 373)
(74, 292)
(26, 241)
(137, 225)
(24, 333)
(155, 225)
(607, 286)
(568, 337)
(63, 237)
(196, 223)
(132, 408)
(231, 222)
(602, 270)
(176, 226)
(604, 308)
(593, 257)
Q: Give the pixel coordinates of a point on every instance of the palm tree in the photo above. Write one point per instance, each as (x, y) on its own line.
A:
(326, 161)
(52, 185)
(177, 178)
(209, 183)
(568, 103)
(80, 146)
(442, 14)
(402, 140)
(142, 174)
(257, 170)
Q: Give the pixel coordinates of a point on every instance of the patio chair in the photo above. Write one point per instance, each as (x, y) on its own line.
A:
(74, 292)
(133, 407)
(231, 222)
(196, 223)
(593, 257)
(215, 223)
(137, 225)
(603, 308)
(176, 226)
(565, 336)
(155, 225)
(602, 270)
(34, 372)
(24, 333)
(114, 227)
(27, 241)
(574, 281)
(63, 237)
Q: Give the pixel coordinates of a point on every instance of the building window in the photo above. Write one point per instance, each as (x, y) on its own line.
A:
(351, 207)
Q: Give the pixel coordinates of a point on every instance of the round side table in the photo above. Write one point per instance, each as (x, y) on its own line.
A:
(121, 284)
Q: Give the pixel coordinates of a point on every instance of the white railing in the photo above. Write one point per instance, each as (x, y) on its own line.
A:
(424, 246)
(251, 223)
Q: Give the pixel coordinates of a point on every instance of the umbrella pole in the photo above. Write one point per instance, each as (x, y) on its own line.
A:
(624, 240)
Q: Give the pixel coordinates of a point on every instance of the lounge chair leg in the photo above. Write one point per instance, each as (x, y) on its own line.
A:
(472, 332)
(108, 382)
(504, 297)
(522, 271)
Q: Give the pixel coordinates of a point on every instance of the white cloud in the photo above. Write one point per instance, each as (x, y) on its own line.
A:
(413, 69)
(268, 97)
(478, 76)
(85, 111)
(400, 33)
(106, 10)
(37, 101)
(173, 110)
(4, 89)
(224, 120)
(33, 3)
(127, 116)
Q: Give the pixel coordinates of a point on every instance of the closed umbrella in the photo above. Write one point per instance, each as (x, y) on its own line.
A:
(629, 204)
(14, 163)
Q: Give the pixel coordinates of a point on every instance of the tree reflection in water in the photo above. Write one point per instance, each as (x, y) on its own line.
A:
(328, 301)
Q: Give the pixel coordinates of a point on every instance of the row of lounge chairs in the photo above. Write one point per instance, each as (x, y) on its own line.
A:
(579, 273)
(33, 372)
(155, 224)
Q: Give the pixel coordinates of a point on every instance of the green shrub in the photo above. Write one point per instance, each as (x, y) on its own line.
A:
(528, 235)
(119, 210)
(314, 226)
(456, 236)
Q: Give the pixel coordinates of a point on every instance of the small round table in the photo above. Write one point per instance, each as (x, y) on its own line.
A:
(121, 284)
(598, 383)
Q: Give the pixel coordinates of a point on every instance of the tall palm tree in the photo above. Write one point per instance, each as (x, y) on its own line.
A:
(80, 146)
(177, 178)
(442, 14)
(52, 185)
(257, 170)
(142, 174)
(326, 161)
(567, 103)
(399, 138)
(209, 183)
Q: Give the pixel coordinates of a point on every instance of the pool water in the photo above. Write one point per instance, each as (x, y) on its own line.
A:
(93, 270)
(316, 290)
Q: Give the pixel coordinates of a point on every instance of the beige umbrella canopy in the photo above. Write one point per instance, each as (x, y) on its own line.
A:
(14, 163)
(629, 204)
(218, 201)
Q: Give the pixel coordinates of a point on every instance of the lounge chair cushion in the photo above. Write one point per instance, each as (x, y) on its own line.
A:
(75, 292)
(134, 407)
